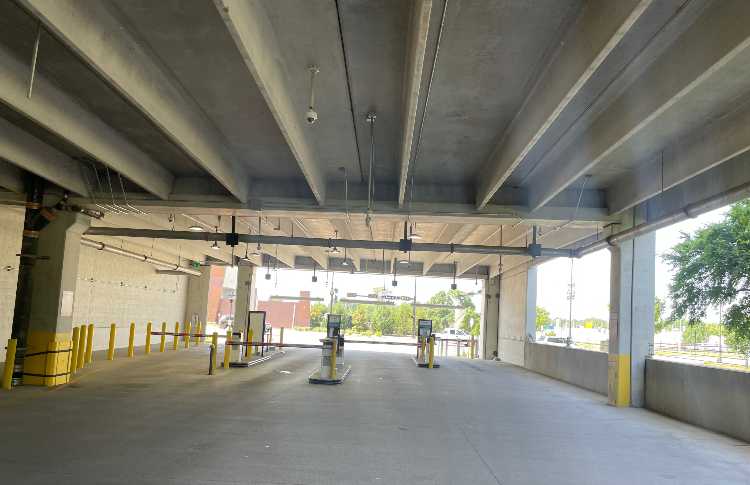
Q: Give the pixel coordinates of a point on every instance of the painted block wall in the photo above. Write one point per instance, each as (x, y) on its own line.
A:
(110, 289)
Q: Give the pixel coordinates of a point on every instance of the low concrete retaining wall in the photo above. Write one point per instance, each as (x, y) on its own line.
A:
(716, 399)
(583, 368)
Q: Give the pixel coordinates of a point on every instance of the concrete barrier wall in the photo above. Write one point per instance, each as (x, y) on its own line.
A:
(716, 399)
(583, 368)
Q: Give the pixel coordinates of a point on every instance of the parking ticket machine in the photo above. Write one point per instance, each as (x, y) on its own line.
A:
(424, 331)
(333, 330)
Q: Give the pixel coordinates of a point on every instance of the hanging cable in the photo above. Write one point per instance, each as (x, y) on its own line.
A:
(371, 116)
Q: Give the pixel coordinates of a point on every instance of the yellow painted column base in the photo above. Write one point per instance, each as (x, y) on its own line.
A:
(618, 380)
(48, 359)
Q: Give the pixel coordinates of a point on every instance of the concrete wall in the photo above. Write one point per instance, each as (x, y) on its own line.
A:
(716, 399)
(513, 313)
(583, 368)
(110, 289)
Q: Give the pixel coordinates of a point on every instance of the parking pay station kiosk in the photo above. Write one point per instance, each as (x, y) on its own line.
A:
(425, 344)
(332, 370)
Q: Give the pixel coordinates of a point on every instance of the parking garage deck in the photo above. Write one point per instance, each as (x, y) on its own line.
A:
(161, 419)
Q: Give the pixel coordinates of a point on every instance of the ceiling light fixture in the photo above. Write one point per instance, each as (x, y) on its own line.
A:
(454, 285)
(314, 276)
(195, 228)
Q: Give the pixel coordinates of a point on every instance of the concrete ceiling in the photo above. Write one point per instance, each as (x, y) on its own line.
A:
(492, 116)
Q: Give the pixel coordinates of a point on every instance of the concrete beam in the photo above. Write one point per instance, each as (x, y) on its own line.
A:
(418, 32)
(251, 29)
(101, 40)
(59, 113)
(511, 237)
(11, 177)
(688, 157)
(453, 233)
(317, 254)
(599, 29)
(700, 69)
(33, 155)
(345, 232)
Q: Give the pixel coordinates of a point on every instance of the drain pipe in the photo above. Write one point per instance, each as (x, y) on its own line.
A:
(688, 212)
(140, 257)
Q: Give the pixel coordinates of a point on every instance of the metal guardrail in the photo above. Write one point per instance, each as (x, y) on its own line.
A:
(705, 354)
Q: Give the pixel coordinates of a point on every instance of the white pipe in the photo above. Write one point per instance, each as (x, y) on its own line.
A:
(140, 257)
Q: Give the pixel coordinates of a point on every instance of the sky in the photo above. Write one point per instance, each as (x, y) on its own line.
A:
(591, 275)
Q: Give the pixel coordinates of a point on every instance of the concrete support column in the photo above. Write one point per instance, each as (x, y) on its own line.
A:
(488, 344)
(196, 308)
(517, 313)
(52, 300)
(631, 319)
(244, 297)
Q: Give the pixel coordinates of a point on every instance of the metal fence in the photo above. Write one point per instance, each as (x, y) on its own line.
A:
(712, 355)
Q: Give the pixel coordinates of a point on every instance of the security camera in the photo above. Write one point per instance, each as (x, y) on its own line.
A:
(311, 116)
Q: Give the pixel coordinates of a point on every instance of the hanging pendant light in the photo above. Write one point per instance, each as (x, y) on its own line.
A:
(314, 276)
(454, 285)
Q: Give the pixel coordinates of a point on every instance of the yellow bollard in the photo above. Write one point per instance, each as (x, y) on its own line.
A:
(334, 351)
(197, 334)
(176, 337)
(248, 338)
(215, 345)
(10, 361)
(471, 349)
(422, 349)
(111, 349)
(227, 349)
(163, 340)
(281, 336)
(148, 338)
(431, 360)
(184, 330)
(131, 340)
(187, 335)
(90, 344)
(74, 354)
(81, 347)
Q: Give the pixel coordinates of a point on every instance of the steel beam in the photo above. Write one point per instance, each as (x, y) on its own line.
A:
(321, 242)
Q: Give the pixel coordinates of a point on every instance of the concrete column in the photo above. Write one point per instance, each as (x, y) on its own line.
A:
(531, 304)
(53, 297)
(488, 344)
(631, 319)
(243, 298)
(196, 307)
(517, 313)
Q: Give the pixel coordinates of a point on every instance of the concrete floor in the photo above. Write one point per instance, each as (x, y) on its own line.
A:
(158, 419)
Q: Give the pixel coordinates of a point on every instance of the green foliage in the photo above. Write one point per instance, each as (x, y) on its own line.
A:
(698, 333)
(397, 319)
(542, 318)
(712, 267)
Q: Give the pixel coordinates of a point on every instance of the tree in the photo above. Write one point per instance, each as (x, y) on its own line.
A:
(712, 267)
(317, 315)
(542, 318)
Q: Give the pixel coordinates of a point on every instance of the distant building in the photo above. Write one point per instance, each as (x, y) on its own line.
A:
(280, 313)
